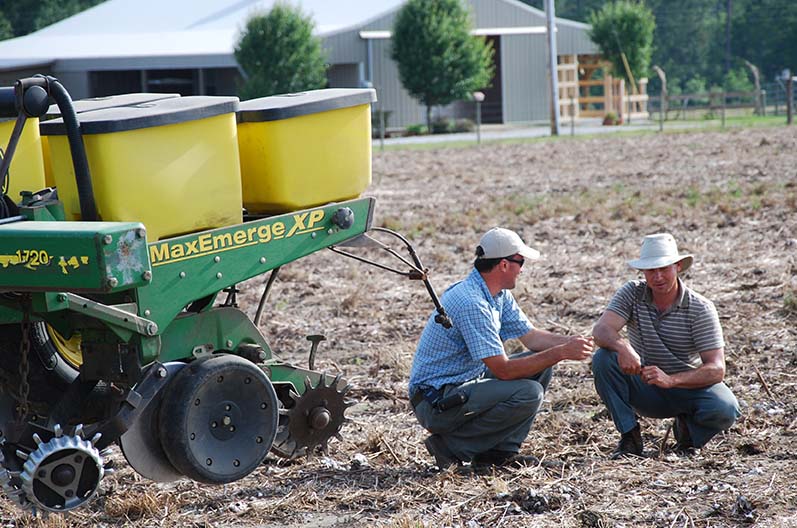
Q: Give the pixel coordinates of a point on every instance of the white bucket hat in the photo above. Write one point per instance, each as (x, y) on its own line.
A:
(660, 250)
(500, 243)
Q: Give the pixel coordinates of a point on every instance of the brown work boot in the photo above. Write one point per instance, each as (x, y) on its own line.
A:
(497, 457)
(630, 444)
(683, 440)
(443, 457)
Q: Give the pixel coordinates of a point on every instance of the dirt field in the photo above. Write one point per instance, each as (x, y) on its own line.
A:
(730, 198)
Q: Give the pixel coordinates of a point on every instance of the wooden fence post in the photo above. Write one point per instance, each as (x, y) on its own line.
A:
(757, 82)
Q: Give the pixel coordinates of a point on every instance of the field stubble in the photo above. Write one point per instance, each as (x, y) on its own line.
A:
(730, 198)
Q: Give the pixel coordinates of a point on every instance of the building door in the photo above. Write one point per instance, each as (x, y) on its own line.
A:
(493, 105)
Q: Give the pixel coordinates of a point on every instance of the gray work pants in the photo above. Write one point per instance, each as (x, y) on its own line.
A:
(498, 414)
(707, 411)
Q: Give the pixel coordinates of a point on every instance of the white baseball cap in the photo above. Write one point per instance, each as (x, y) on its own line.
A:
(500, 243)
(658, 251)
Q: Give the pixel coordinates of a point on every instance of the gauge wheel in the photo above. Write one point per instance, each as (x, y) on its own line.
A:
(218, 419)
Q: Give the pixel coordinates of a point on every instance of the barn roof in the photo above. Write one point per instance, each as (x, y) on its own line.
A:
(174, 33)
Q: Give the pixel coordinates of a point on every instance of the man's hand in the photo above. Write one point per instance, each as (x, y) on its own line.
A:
(629, 361)
(578, 348)
(656, 376)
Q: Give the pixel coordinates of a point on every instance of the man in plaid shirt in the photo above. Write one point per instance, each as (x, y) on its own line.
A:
(479, 403)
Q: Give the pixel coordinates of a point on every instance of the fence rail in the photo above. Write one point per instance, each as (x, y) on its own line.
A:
(771, 99)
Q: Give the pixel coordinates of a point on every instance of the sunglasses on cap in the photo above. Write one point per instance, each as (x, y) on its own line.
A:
(519, 262)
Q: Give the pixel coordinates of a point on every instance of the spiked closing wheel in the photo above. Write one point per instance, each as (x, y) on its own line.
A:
(218, 419)
(309, 421)
(62, 473)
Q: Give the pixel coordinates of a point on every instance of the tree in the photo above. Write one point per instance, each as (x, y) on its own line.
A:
(6, 31)
(26, 16)
(624, 29)
(52, 11)
(438, 60)
(279, 53)
(765, 33)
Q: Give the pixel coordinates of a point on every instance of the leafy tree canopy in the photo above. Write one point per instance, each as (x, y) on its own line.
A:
(438, 60)
(691, 38)
(623, 29)
(27, 16)
(280, 54)
(6, 31)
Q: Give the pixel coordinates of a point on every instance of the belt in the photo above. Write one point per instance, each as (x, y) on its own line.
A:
(416, 398)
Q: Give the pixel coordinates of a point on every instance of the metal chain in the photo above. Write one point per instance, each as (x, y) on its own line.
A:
(24, 350)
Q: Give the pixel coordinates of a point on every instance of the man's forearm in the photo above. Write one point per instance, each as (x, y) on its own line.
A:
(698, 378)
(523, 367)
(539, 340)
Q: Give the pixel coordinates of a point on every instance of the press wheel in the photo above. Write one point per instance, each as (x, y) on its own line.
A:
(218, 419)
(309, 421)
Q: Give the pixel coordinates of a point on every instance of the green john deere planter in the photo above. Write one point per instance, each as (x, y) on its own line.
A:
(110, 335)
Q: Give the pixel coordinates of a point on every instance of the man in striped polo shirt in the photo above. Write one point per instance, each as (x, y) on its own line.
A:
(673, 362)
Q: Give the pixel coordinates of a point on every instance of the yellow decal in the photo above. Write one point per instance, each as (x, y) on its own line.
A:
(32, 259)
(9, 260)
(209, 243)
(71, 262)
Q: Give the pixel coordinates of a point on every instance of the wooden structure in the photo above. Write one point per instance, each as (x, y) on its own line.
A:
(587, 89)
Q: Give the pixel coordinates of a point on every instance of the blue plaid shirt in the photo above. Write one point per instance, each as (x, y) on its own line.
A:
(481, 324)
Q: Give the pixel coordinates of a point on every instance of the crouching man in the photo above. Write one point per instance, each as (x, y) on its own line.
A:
(478, 403)
(672, 364)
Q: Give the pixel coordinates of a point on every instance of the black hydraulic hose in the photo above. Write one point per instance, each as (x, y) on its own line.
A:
(8, 102)
(262, 304)
(8, 155)
(88, 207)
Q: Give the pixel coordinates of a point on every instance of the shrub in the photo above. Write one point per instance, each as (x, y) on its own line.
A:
(463, 125)
(441, 125)
(416, 130)
(610, 118)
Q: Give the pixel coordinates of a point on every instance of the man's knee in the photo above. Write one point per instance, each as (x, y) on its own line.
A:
(528, 396)
(603, 361)
(721, 414)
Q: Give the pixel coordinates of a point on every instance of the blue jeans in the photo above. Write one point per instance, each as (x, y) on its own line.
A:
(707, 410)
(498, 414)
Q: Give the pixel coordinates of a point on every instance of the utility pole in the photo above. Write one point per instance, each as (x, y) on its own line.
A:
(728, 13)
(789, 97)
(552, 71)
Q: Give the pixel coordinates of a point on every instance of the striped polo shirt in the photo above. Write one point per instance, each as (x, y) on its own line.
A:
(671, 340)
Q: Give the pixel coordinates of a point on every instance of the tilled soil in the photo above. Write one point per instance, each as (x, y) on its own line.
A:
(730, 198)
